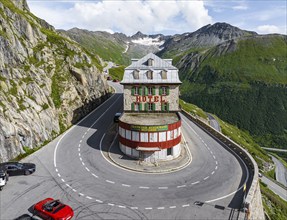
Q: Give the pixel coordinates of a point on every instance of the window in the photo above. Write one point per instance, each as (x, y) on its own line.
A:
(153, 137)
(150, 91)
(169, 151)
(150, 62)
(136, 74)
(137, 107)
(163, 90)
(136, 91)
(164, 74)
(149, 74)
(165, 106)
(150, 105)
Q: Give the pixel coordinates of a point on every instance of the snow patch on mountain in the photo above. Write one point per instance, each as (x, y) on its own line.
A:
(127, 47)
(148, 41)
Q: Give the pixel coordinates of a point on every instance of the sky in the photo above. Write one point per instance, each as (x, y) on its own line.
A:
(162, 16)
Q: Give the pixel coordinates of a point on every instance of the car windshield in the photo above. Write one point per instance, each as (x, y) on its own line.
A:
(20, 166)
(49, 206)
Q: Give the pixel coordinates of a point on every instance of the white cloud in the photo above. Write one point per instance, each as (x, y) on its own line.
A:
(125, 16)
(240, 7)
(268, 29)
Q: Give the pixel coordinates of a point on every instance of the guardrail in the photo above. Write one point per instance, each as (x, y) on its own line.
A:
(252, 185)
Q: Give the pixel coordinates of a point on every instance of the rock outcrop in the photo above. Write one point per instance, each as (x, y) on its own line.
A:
(47, 81)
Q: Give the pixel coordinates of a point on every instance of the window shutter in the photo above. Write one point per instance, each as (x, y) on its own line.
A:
(160, 90)
(167, 107)
(133, 90)
(162, 106)
(167, 90)
(140, 91)
(145, 90)
(153, 90)
(153, 106)
(140, 106)
(146, 106)
(133, 106)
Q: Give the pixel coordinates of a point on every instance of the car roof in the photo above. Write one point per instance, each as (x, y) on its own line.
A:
(118, 114)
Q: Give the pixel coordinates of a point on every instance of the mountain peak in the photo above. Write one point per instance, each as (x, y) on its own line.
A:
(224, 31)
(138, 35)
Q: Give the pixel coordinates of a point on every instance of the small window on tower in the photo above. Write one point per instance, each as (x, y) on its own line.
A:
(136, 74)
(164, 74)
(149, 74)
(150, 62)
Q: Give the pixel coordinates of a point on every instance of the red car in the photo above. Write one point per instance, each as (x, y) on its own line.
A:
(53, 209)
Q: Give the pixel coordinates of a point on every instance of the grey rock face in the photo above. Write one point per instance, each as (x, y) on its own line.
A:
(47, 82)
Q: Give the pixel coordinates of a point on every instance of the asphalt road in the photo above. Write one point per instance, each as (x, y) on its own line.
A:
(73, 168)
(275, 187)
(281, 172)
(214, 123)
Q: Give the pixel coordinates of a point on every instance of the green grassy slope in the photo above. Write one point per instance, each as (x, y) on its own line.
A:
(246, 86)
(108, 49)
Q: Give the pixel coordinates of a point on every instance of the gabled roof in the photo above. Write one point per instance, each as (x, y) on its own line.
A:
(158, 63)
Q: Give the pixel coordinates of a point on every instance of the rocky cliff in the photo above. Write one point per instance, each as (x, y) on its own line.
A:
(47, 82)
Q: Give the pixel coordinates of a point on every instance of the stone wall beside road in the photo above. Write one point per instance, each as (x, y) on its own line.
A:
(253, 202)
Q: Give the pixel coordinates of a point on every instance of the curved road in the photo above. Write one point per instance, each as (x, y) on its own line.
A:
(73, 168)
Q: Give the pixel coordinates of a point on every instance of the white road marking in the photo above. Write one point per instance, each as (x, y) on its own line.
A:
(81, 194)
(108, 181)
(122, 206)
(212, 173)
(79, 154)
(87, 169)
(56, 170)
(80, 141)
(88, 197)
(195, 182)
(83, 136)
(211, 152)
(216, 167)
(99, 201)
(79, 145)
(206, 178)
(160, 207)
(216, 162)
(68, 185)
(134, 207)
(79, 149)
(172, 207)
(111, 204)
(181, 186)
(63, 180)
(186, 205)
(59, 174)
(214, 157)
(66, 132)
(163, 187)
(95, 175)
(74, 190)
(126, 185)
(81, 159)
(205, 144)
(148, 208)
(144, 187)
(83, 163)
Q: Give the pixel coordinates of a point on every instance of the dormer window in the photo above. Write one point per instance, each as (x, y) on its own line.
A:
(150, 62)
(149, 74)
(136, 74)
(164, 74)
